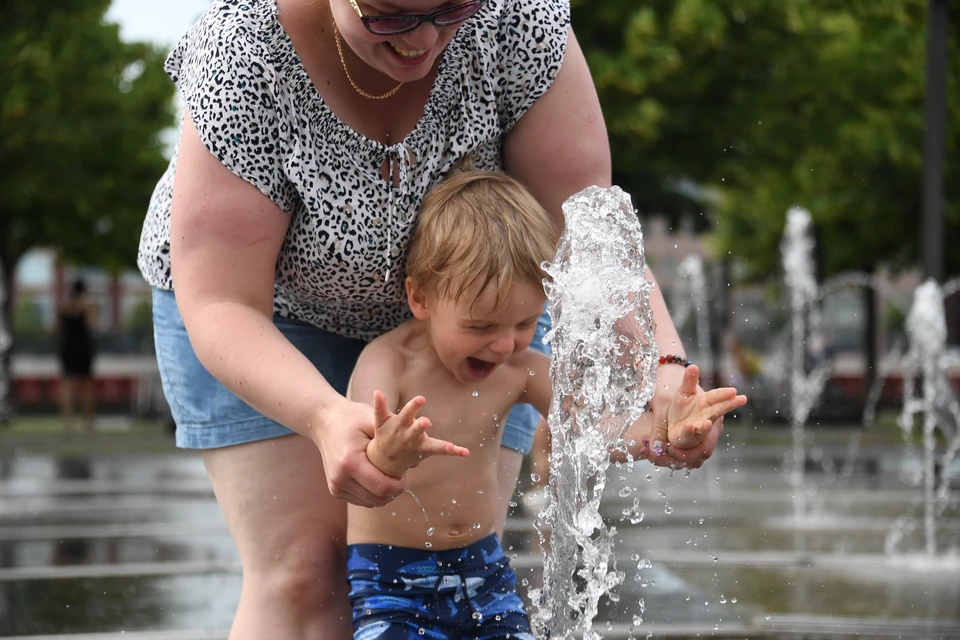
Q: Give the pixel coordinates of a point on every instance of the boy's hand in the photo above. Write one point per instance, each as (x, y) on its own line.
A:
(400, 441)
(692, 413)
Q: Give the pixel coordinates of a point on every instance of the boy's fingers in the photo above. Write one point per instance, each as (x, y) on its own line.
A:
(409, 412)
(380, 411)
(435, 447)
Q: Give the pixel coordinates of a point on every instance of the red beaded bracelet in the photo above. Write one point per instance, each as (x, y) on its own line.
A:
(675, 359)
(670, 358)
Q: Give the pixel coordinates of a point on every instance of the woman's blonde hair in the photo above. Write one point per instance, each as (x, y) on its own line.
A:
(479, 227)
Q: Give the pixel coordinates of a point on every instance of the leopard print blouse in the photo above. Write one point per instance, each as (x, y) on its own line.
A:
(255, 109)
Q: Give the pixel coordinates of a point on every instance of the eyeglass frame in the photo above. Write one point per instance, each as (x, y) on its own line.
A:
(415, 20)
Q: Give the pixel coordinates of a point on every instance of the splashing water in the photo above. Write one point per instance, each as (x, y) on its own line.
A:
(603, 371)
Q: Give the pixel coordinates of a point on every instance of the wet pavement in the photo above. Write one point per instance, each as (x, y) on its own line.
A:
(132, 545)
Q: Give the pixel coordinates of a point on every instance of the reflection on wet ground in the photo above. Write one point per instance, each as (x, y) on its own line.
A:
(135, 543)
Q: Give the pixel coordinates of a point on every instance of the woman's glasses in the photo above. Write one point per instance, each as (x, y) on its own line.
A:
(394, 25)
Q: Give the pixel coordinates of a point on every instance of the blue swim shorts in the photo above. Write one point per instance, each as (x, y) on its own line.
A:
(208, 415)
(399, 593)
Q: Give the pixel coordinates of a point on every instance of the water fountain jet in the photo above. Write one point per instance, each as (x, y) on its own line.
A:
(603, 370)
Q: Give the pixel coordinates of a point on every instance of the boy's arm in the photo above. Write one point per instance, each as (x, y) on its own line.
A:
(539, 386)
(400, 441)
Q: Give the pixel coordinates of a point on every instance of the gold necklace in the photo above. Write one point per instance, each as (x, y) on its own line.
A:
(336, 37)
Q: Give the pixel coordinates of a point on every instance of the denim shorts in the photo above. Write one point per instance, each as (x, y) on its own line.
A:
(208, 415)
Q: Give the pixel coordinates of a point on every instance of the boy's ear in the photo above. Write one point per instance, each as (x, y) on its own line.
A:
(417, 300)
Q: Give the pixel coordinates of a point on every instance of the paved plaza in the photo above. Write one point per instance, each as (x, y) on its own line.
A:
(117, 536)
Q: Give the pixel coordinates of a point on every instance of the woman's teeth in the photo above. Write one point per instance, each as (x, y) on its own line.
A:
(408, 53)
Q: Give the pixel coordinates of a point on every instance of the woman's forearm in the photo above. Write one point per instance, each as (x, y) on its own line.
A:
(668, 340)
(243, 349)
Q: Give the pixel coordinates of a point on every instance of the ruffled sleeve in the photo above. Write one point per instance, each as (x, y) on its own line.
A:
(532, 39)
(231, 92)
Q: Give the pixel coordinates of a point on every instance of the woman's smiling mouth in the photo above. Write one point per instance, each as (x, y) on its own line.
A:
(407, 54)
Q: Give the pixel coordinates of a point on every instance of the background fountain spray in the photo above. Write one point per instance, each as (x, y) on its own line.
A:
(603, 371)
(936, 404)
(805, 388)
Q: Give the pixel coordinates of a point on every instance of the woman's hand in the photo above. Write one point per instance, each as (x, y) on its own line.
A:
(342, 435)
(687, 421)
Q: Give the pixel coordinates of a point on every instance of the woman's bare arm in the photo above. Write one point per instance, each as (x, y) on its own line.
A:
(560, 147)
(225, 236)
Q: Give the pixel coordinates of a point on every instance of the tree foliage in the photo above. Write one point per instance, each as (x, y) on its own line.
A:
(81, 114)
(744, 108)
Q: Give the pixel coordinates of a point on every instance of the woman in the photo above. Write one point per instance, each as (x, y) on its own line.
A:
(76, 320)
(311, 132)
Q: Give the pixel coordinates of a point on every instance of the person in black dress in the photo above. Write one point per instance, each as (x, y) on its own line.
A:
(75, 321)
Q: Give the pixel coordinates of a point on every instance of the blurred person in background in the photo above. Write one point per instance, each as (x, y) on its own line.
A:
(76, 319)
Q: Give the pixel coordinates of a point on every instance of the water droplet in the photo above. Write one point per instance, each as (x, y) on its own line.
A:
(476, 525)
(476, 615)
(723, 599)
(625, 492)
(532, 373)
(535, 477)
(668, 509)
(733, 600)
(428, 545)
(475, 394)
(421, 631)
(453, 501)
(431, 530)
(513, 504)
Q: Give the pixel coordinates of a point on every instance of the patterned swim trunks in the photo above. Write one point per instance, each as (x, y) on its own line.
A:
(399, 593)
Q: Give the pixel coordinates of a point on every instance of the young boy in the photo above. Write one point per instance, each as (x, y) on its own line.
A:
(430, 565)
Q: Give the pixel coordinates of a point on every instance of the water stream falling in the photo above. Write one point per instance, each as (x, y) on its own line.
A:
(603, 371)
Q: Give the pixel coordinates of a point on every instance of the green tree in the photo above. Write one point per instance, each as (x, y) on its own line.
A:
(81, 113)
(746, 107)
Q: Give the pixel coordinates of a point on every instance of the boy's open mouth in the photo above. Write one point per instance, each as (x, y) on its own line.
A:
(479, 367)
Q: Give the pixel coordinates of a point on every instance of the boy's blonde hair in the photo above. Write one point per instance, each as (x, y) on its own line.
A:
(479, 227)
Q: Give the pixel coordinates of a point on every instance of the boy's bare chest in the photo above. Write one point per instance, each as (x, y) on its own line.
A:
(470, 415)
